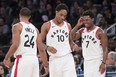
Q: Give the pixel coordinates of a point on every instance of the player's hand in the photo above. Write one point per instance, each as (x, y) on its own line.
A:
(51, 49)
(76, 48)
(102, 68)
(80, 22)
(46, 72)
(6, 62)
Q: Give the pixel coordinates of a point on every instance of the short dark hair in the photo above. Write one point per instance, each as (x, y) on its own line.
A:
(25, 12)
(62, 6)
(88, 13)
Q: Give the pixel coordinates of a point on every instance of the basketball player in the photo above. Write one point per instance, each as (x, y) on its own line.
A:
(25, 39)
(94, 45)
(56, 32)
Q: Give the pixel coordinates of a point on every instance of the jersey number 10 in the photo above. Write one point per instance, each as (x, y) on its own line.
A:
(60, 38)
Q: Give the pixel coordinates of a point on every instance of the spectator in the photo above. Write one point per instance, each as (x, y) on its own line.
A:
(3, 70)
(103, 23)
(111, 44)
(11, 63)
(111, 31)
(88, 5)
(1, 55)
(108, 16)
(78, 63)
(4, 31)
(76, 12)
(111, 61)
(49, 11)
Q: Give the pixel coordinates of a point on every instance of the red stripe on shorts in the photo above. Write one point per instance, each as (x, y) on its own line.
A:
(17, 62)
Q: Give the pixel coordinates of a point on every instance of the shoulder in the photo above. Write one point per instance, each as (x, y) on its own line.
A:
(47, 23)
(81, 30)
(69, 25)
(100, 32)
(37, 30)
(46, 26)
(17, 26)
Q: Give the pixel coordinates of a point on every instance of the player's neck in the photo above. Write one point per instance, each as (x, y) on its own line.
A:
(91, 27)
(57, 23)
(24, 19)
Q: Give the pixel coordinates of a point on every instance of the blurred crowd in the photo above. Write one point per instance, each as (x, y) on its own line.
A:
(44, 10)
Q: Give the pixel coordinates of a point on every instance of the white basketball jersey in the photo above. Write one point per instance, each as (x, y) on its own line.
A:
(58, 37)
(91, 45)
(28, 36)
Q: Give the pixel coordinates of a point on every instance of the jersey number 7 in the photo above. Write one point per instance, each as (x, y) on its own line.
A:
(87, 44)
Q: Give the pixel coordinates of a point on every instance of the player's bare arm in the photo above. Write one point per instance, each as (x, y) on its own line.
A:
(74, 46)
(16, 30)
(44, 30)
(42, 53)
(103, 38)
(76, 35)
(70, 37)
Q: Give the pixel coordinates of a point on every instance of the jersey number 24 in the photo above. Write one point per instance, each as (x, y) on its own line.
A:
(29, 42)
